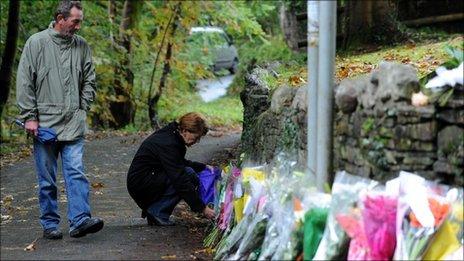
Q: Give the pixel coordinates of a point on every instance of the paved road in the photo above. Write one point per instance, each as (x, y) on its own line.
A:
(212, 89)
(125, 235)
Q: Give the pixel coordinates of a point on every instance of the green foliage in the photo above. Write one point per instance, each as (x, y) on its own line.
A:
(130, 128)
(175, 105)
(374, 143)
(198, 56)
(289, 137)
(427, 33)
(373, 149)
(442, 96)
(368, 125)
(274, 49)
(457, 55)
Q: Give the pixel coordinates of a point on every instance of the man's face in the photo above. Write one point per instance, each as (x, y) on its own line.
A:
(69, 26)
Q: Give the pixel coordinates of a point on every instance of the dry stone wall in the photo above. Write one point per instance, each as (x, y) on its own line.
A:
(377, 131)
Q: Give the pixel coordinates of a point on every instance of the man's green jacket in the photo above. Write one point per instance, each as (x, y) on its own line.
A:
(55, 83)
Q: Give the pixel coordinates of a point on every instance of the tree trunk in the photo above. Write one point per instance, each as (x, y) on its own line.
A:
(290, 26)
(434, 19)
(166, 70)
(153, 101)
(368, 22)
(111, 16)
(9, 52)
(123, 108)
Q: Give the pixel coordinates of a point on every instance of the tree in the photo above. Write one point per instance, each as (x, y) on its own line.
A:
(294, 30)
(9, 52)
(367, 22)
(153, 100)
(122, 106)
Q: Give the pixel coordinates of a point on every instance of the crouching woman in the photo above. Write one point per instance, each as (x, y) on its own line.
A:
(160, 176)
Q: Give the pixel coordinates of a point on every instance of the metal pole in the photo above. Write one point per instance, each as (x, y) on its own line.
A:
(327, 27)
(313, 64)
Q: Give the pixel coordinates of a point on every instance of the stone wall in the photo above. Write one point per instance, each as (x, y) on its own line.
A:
(273, 121)
(377, 131)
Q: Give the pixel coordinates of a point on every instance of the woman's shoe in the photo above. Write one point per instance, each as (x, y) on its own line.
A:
(156, 221)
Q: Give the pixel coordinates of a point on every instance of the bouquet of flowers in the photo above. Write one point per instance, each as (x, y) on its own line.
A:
(351, 223)
(292, 240)
(449, 237)
(223, 206)
(314, 224)
(282, 185)
(420, 214)
(230, 244)
(253, 237)
(277, 213)
(345, 193)
(379, 220)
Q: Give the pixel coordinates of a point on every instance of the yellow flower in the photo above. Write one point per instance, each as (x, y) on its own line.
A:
(252, 173)
(458, 211)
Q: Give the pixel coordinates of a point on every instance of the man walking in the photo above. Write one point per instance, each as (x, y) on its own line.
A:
(55, 85)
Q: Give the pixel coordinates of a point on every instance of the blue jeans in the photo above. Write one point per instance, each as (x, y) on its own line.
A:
(163, 207)
(77, 185)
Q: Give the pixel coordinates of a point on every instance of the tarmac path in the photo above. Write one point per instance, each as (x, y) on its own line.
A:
(125, 235)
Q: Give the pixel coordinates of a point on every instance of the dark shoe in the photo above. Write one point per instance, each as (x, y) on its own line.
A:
(156, 221)
(52, 233)
(91, 225)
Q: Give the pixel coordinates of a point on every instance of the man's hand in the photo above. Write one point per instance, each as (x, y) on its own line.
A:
(31, 127)
(209, 213)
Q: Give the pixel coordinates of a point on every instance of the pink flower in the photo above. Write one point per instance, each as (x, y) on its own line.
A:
(379, 217)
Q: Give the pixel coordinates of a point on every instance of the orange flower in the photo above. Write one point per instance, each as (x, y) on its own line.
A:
(439, 211)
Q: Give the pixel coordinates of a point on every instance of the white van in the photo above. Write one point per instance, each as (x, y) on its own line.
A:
(224, 53)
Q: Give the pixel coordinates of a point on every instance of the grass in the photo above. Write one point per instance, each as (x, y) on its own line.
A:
(425, 56)
(224, 112)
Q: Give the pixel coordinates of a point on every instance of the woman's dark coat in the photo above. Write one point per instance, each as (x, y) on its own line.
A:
(161, 158)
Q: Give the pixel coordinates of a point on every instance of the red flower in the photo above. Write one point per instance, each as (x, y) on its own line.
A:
(439, 211)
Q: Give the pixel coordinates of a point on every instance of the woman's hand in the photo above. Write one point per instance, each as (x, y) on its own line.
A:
(211, 168)
(209, 213)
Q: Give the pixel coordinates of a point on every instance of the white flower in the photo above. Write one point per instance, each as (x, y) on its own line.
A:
(447, 77)
(419, 99)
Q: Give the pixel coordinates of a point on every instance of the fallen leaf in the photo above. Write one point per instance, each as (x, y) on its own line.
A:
(207, 250)
(406, 60)
(5, 218)
(31, 246)
(97, 185)
(342, 73)
(8, 198)
(296, 80)
(169, 257)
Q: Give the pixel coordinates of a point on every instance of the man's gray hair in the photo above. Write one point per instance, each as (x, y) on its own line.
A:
(64, 8)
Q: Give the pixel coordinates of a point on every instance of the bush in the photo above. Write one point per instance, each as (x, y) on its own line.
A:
(274, 49)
